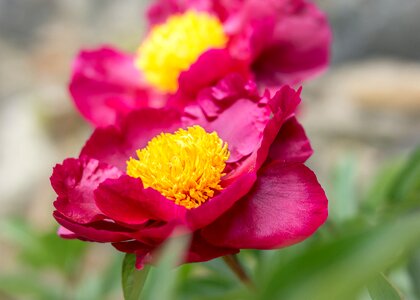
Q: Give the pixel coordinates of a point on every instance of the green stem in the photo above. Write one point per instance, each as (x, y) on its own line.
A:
(236, 267)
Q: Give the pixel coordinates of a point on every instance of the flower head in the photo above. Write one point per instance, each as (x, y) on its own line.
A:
(193, 44)
(228, 170)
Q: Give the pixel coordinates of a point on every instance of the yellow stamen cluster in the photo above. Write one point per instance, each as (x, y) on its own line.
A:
(185, 167)
(174, 46)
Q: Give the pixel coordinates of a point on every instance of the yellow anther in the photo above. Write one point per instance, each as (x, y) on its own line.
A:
(174, 46)
(185, 167)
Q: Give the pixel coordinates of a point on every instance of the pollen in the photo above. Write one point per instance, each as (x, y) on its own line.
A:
(174, 46)
(185, 167)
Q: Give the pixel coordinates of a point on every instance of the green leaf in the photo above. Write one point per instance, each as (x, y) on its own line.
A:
(414, 271)
(344, 203)
(406, 189)
(133, 280)
(382, 289)
(162, 282)
(44, 250)
(339, 269)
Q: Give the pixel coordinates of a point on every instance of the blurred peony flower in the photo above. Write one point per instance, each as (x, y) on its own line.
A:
(229, 170)
(193, 44)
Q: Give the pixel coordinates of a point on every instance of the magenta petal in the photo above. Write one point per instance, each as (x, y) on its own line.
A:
(283, 106)
(216, 206)
(65, 233)
(291, 144)
(237, 114)
(126, 200)
(101, 231)
(286, 206)
(160, 10)
(209, 68)
(141, 251)
(74, 182)
(116, 145)
(106, 85)
(200, 250)
(299, 47)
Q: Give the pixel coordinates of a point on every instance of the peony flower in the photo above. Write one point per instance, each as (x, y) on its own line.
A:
(229, 170)
(192, 45)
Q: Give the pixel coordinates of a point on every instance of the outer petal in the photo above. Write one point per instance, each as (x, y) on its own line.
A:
(65, 233)
(115, 145)
(299, 46)
(74, 182)
(291, 144)
(285, 207)
(101, 231)
(141, 250)
(162, 9)
(105, 85)
(126, 200)
(200, 250)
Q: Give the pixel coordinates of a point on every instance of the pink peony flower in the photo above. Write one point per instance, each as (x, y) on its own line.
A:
(229, 170)
(284, 41)
(192, 45)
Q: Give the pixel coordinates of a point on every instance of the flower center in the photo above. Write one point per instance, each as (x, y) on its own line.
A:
(185, 167)
(174, 46)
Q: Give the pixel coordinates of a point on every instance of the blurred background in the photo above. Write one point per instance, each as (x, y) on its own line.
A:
(362, 116)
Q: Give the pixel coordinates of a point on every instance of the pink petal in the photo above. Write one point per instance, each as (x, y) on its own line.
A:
(209, 68)
(299, 47)
(291, 144)
(241, 118)
(200, 250)
(65, 233)
(282, 107)
(162, 9)
(141, 250)
(74, 182)
(116, 145)
(286, 206)
(101, 231)
(216, 206)
(106, 85)
(126, 200)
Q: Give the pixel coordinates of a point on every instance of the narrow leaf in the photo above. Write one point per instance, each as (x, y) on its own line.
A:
(133, 280)
(382, 289)
(162, 283)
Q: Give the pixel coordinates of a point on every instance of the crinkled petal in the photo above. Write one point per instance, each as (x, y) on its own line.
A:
(282, 107)
(106, 85)
(100, 231)
(74, 182)
(115, 145)
(286, 206)
(126, 200)
(241, 118)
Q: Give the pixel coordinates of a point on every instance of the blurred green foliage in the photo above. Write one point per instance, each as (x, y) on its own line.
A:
(368, 249)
